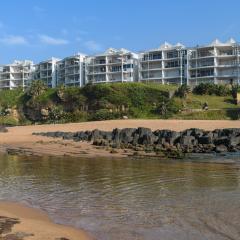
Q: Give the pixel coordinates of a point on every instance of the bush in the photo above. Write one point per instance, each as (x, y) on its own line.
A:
(235, 91)
(104, 114)
(76, 116)
(8, 121)
(183, 91)
(37, 88)
(168, 109)
(211, 89)
(10, 98)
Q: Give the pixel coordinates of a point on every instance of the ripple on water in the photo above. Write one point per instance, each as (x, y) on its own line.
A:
(130, 199)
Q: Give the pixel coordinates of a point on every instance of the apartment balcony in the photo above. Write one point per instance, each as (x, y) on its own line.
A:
(44, 68)
(201, 76)
(171, 67)
(72, 65)
(115, 80)
(151, 60)
(201, 56)
(227, 64)
(4, 84)
(97, 80)
(227, 75)
(202, 66)
(97, 62)
(116, 61)
(96, 73)
(151, 75)
(226, 53)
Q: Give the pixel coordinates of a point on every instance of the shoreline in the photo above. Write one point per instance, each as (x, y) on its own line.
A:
(33, 224)
(20, 141)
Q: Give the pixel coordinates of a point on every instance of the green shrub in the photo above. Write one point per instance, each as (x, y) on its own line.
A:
(211, 89)
(235, 91)
(183, 91)
(37, 88)
(8, 121)
(104, 114)
(76, 116)
(169, 108)
(10, 98)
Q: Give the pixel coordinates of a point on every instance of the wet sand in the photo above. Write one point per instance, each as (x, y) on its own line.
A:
(35, 225)
(21, 140)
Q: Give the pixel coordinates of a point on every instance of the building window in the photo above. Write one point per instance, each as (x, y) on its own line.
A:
(172, 54)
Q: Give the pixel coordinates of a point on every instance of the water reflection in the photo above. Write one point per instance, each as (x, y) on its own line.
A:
(130, 199)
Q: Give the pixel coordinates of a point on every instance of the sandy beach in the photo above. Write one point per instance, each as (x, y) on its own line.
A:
(20, 138)
(34, 225)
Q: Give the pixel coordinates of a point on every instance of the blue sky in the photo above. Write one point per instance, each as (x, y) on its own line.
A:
(39, 29)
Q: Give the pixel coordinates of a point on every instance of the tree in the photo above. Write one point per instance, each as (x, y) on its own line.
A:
(37, 88)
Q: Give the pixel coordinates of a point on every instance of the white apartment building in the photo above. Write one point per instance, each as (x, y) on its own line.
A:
(46, 72)
(112, 66)
(166, 64)
(215, 63)
(17, 74)
(71, 71)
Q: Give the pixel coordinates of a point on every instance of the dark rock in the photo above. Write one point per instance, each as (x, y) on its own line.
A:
(188, 140)
(222, 141)
(126, 135)
(3, 129)
(234, 141)
(6, 224)
(205, 140)
(221, 148)
(68, 136)
(143, 139)
(143, 131)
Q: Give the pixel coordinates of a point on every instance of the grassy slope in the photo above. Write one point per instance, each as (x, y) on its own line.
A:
(214, 102)
(219, 107)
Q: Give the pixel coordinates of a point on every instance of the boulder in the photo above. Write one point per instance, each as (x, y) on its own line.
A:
(221, 149)
(188, 140)
(126, 135)
(205, 140)
(221, 141)
(234, 141)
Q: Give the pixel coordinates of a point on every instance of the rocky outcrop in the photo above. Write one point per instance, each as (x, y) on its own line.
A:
(3, 129)
(170, 143)
(6, 225)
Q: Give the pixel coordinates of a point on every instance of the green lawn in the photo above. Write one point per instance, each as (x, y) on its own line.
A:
(214, 102)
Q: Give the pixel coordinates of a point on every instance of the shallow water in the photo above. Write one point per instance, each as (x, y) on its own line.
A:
(131, 199)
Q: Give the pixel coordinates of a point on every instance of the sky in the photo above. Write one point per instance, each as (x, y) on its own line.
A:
(40, 29)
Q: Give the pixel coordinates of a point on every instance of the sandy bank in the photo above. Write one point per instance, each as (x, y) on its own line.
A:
(21, 138)
(36, 225)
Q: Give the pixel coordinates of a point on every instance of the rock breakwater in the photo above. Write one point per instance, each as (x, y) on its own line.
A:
(166, 142)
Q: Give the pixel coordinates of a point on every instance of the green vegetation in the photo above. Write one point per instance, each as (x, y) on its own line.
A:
(40, 104)
(212, 89)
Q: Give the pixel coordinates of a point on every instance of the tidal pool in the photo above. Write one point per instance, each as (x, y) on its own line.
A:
(130, 199)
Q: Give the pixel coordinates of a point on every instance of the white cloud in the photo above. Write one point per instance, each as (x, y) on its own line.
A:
(52, 41)
(93, 46)
(14, 40)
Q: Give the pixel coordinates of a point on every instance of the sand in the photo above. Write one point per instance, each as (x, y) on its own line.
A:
(21, 139)
(38, 224)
